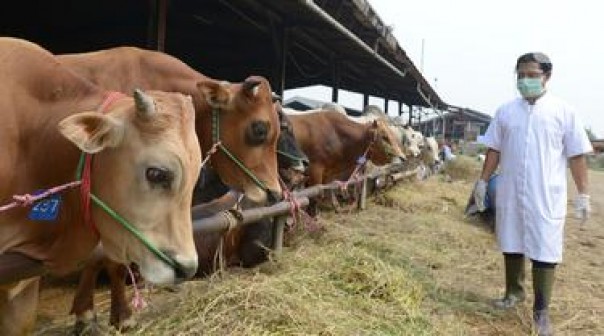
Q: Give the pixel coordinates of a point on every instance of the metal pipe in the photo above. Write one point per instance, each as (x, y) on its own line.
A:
(363, 196)
(220, 222)
(278, 234)
(309, 4)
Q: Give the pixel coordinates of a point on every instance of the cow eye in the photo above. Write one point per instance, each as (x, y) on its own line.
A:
(159, 177)
(257, 133)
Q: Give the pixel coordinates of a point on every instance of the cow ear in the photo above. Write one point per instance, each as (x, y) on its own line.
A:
(217, 94)
(92, 131)
(251, 86)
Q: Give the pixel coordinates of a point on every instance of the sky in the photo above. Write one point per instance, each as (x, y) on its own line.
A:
(470, 49)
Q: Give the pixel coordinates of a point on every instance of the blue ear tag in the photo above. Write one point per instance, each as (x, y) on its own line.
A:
(46, 209)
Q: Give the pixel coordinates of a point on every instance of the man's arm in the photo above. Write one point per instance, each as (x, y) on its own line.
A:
(490, 164)
(578, 169)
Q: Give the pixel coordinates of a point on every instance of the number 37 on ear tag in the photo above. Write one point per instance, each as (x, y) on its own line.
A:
(46, 209)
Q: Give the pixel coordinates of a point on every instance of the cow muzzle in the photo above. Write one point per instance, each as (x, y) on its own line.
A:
(158, 272)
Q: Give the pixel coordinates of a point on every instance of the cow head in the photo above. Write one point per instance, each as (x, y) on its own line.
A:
(430, 152)
(146, 163)
(411, 141)
(385, 148)
(291, 159)
(243, 119)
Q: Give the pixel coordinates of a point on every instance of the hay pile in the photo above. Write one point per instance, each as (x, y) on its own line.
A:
(463, 168)
(408, 265)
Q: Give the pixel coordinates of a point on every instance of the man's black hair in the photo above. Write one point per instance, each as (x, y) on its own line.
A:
(544, 63)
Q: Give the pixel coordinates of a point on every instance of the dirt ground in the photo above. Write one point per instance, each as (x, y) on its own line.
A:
(459, 265)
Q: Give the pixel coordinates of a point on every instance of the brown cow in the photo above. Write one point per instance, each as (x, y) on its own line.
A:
(248, 128)
(238, 247)
(333, 143)
(146, 163)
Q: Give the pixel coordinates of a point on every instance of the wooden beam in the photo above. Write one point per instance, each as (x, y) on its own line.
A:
(156, 25)
(335, 78)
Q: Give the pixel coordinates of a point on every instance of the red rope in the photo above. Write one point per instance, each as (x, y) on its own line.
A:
(86, 186)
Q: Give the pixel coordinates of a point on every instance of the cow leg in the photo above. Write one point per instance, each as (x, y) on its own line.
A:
(18, 304)
(83, 301)
(315, 176)
(334, 201)
(121, 312)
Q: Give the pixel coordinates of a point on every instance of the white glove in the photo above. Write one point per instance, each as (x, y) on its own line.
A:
(582, 207)
(480, 193)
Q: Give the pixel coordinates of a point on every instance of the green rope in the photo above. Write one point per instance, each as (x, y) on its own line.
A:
(216, 139)
(215, 126)
(290, 156)
(80, 168)
(173, 263)
(243, 167)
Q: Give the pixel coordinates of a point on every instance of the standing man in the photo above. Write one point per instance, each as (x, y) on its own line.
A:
(532, 138)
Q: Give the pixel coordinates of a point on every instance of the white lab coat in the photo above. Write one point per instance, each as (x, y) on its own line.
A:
(534, 142)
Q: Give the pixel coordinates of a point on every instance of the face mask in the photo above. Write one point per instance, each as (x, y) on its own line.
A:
(530, 87)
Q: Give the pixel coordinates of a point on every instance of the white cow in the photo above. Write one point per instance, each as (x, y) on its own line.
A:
(411, 140)
(429, 153)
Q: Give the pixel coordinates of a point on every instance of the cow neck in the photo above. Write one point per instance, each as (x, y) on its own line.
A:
(365, 140)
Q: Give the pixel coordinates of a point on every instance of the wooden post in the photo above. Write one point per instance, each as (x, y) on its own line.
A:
(386, 106)
(365, 100)
(363, 196)
(281, 43)
(335, 67)
(156, 27)
(410, 121)
(278, 234)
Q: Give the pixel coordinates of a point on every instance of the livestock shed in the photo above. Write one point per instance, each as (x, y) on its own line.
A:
(295, 43)
(459, 124)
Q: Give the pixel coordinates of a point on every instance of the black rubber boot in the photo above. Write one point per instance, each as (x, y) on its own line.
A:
(543, 283)
(514, 279)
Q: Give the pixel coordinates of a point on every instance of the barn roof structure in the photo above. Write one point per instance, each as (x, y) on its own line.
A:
(295, 43)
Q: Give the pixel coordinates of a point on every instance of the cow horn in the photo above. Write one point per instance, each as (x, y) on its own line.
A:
(144, 104)
(250, 86)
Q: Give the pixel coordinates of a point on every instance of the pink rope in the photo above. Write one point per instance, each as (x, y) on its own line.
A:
(295, 206)
(138, 301)
(212, 151)
(310, 223)
(26, 200)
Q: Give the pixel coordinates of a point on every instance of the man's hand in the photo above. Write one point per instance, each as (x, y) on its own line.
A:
(582, 207)
(480, 193)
